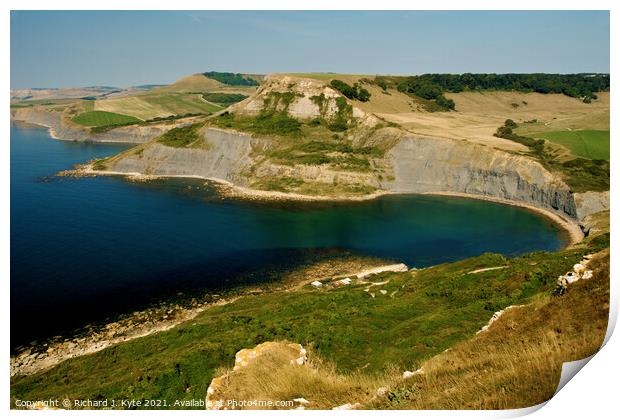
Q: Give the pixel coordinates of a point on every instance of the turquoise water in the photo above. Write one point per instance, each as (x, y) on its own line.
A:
(84, 249)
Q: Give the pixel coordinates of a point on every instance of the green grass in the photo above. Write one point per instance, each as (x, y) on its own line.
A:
(271, 123)
(585, 174)
(427, 313)
(99, 165)
(22, 105)
(103, 118)
(590, 144)
(581, 174)
(339, 154)
(181, 136)
(43, 102)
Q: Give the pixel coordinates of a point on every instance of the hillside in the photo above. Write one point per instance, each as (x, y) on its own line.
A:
(345, 137)
(299, 135)
(125, 111)
(310, 136)
(345, 327)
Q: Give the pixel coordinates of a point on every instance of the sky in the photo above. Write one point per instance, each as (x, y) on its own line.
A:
(112, 48)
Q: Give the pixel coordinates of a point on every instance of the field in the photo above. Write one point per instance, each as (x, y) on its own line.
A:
(420, 314)
(590, 144)
(103, 118)
(478, 114)
(152, 105)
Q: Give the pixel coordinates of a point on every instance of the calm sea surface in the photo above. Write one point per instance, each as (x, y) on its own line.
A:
(85, 249)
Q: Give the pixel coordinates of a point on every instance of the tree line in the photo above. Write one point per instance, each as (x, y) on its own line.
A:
(582, 86)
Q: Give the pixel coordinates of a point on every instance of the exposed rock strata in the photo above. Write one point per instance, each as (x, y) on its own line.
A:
(419, 165)
(227, 157)
(424, 165)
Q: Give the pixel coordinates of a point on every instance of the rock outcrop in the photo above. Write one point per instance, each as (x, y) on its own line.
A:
(302, 98)
(288, 353)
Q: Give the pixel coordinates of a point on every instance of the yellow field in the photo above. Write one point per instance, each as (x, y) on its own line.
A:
(478, 114)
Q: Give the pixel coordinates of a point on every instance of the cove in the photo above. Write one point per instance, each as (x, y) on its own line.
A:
(86, 249)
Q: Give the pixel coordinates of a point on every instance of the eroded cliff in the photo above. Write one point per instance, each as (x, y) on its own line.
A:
(224, 155)
(61, 129)
(424, 165)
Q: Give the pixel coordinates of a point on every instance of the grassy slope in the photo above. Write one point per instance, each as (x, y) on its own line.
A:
(518, 362)
(590, 144)
(429, 312)
(162, 104)
(181, 97)
(101, 118)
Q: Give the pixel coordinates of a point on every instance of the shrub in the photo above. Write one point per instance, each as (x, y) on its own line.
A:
(232, 79)
(444, 102)
(351, 92)
(279, 123)
(223, 98)
(180, 136)
(428, 86)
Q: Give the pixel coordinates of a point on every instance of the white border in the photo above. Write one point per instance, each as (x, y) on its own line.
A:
(592, 395)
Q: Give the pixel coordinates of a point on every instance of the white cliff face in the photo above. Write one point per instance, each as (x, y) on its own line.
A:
(436, 165)
(303, 104)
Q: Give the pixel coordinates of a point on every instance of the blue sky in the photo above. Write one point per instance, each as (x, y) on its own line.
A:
(59, 49)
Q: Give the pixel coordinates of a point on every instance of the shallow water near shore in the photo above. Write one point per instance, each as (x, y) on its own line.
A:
(86, 249)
